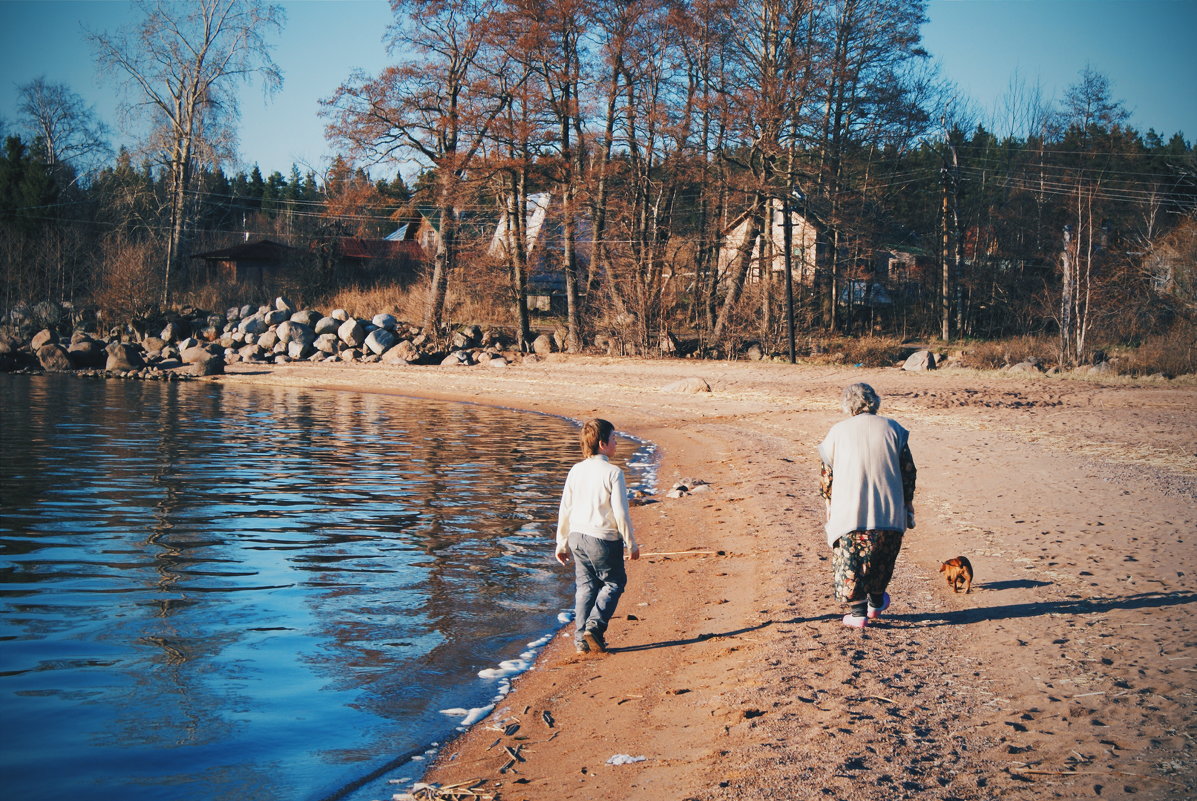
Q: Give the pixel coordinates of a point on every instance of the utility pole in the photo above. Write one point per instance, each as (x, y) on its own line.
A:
(951, 233)
(787, 227)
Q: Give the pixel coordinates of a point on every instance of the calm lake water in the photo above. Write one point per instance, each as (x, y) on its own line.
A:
(256, 593)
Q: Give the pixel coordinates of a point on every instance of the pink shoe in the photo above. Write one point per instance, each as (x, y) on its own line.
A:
(875, 611)
(855, 622)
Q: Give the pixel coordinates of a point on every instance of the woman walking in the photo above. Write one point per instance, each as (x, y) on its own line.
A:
(867, 485)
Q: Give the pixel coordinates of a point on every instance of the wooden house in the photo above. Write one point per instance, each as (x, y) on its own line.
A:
(260, 262)
(768, 250)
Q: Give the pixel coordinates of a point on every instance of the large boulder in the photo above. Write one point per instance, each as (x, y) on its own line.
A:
(123, 357)
(172, 332)
(213, 365)
(327, 343)
(195, 354)
(54, 358)
(153, 344)
(42, 338)
(458, 358)
(402, 353)
(380, 340)
(340, 315)
(919, 360)
(693, 384)
(352, 333)
(544, 345)
(308, 317)
(87, 353)
(282, 304)
(268, 340)
(292, 331)
(250, 353)
(386, 321)
(326, 325)
(276, 317)
(252, 324)
(299, 349)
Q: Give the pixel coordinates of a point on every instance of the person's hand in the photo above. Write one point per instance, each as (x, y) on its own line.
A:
(562, 555)
(634, 553)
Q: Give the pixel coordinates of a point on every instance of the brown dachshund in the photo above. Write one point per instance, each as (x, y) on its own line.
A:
(959, 572)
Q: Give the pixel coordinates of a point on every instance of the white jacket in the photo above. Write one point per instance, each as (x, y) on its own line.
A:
(595, 502)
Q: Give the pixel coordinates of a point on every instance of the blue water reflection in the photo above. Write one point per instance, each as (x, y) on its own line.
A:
(234, 593)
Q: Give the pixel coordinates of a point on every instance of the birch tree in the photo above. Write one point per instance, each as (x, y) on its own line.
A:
(183, 63)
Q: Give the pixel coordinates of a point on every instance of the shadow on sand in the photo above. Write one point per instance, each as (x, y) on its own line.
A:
(1087, 606)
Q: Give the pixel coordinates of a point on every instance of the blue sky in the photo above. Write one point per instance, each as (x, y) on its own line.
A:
(1145, 48)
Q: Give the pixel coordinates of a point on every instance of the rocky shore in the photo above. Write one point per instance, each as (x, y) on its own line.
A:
(49, 337)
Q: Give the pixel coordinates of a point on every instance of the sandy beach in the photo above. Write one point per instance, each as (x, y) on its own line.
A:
(1068, 672)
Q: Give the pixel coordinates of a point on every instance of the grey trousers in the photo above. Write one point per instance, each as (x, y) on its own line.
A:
(600, 577)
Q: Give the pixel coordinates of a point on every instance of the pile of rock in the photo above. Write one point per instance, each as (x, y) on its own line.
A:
(281, 334)
(204, 343)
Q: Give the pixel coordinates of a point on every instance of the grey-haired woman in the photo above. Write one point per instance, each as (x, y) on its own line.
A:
(867, 485)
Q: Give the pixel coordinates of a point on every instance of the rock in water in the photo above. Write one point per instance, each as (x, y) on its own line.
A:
(87, 353)
(123, 357)
(42, 338)
(53, 358)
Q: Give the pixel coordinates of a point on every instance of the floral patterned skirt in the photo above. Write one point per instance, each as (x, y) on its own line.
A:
(863, 562)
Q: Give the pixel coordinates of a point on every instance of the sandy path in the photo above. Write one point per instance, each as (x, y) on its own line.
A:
(1067, 672)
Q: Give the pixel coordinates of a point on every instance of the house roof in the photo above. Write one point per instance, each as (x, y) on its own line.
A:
(261, 250)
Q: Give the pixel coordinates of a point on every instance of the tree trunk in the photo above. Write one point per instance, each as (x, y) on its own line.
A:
(742, 263)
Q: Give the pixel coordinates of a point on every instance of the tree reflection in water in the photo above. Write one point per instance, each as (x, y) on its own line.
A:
(240, 593)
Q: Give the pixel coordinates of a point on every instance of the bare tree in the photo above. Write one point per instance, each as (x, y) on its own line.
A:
(437, 105)
(61, 125)
(183, 62)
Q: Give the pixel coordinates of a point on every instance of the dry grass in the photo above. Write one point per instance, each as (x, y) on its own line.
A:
(404, 303)
(995, 355)
(1170, 354)
(863, 351)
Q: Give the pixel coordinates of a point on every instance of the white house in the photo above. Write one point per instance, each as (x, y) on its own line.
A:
(768, 252)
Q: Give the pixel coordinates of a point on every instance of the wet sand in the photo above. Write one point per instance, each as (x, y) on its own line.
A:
(1067, 672)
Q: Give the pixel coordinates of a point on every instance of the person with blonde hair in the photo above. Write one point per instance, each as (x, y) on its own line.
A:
(595, 528)
(867, 460)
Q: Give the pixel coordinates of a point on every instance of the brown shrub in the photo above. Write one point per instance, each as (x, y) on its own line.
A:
(130, 281)
(996, 354)
(1172, 353)
(864, 351)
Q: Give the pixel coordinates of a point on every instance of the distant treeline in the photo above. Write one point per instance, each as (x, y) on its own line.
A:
(688, 158)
